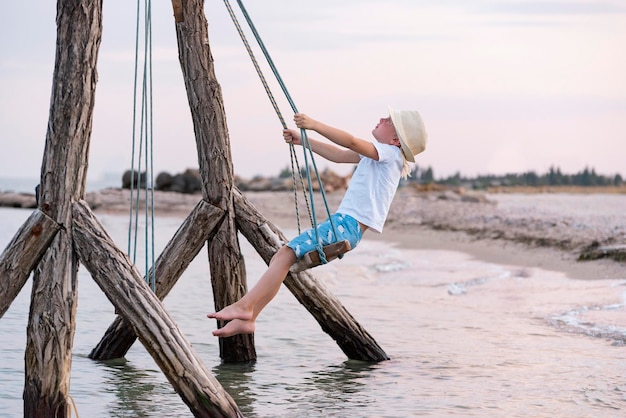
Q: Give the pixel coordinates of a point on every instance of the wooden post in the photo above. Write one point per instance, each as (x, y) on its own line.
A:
(51, 321)
(133, 298)
(173, 261)
(22, 255)
(228, 274)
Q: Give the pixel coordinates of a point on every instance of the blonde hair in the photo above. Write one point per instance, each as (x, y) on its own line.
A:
(406, 168)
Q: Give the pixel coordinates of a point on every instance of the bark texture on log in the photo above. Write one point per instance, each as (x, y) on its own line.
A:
(22, 255)
(327, 310)
(228, 274)
(114, 273)
(169, 267)
(51, 322)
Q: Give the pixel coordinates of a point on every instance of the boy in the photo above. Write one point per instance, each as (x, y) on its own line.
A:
(365, 205)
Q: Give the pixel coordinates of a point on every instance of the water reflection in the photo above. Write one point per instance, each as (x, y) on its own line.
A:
(333, 386)
(138, 392)
(327, 390)
(236, 378)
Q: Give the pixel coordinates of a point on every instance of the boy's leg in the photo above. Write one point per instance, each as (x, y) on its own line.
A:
(250, 305)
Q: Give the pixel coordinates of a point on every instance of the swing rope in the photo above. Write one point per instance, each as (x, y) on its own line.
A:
(306, 145)
(145, 130)
(295, 166)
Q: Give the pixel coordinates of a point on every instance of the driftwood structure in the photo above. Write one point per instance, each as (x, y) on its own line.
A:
(63, 232)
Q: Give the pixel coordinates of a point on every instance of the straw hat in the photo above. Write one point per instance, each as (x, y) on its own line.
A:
(411, 131)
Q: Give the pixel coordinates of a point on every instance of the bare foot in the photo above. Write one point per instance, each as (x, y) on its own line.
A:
(232, 312)
(234, 327)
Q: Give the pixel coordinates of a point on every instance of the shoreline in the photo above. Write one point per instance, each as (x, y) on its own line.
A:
(467, 222)
(504, 253)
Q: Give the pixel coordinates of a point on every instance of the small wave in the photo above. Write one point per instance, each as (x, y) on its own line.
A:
(391, 267)
(460, 288)
(573, 321)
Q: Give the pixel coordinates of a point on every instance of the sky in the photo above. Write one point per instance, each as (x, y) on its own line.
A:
(503, 86)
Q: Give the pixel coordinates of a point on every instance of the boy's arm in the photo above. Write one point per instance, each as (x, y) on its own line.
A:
(338, 136)
(323, 149)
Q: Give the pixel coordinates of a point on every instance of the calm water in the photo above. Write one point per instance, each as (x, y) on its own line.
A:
(466, 338)
(27, 184)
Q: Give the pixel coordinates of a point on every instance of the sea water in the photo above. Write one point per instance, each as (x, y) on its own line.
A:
(28, 184)
(466, 338)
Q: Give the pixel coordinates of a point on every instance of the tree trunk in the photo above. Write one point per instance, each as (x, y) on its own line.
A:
(327, 310)
(228, 275)
(51, 322)
(22, 255)
(113, 271)
(171, 264)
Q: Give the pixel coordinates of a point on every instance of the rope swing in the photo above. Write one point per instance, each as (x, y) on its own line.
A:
(322, 254)
(144, 148)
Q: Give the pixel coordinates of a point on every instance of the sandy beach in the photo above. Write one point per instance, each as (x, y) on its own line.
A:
(471, 222)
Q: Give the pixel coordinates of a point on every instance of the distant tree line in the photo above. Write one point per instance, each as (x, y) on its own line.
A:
(553, 177)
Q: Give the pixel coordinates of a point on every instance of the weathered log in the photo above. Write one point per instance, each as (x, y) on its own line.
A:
(327, 310)
(22, 255)
(168, 268)
(51, 322)
(228, 275)
(115, 274)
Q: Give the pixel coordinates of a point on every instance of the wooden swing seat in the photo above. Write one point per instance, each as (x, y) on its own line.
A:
(312, 258)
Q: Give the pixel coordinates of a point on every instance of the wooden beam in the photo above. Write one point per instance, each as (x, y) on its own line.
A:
(115, 274)
(52, 317)
(177, 5)
(168, 268)
(226, 263)
(22, 255)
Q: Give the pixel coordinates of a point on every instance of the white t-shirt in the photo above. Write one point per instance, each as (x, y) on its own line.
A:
(373, 186)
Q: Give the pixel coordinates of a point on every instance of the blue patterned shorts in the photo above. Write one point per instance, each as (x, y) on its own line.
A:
(346, 226)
